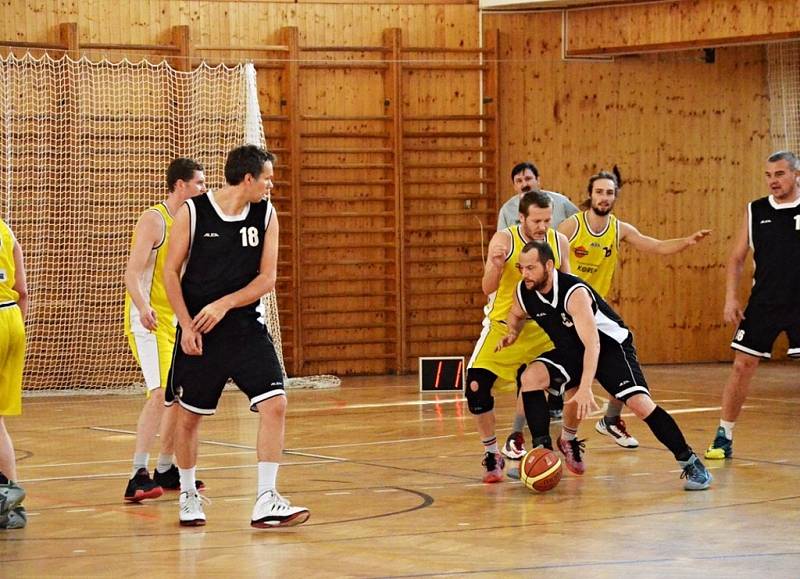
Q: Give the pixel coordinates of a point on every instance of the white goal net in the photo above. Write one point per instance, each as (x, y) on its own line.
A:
(84, 148)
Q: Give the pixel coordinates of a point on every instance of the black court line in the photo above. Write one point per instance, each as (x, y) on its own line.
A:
(373, 537)
(426, 501)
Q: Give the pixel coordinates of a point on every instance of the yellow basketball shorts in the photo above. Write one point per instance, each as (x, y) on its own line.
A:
(153, 353)
(531, 343)
(12, 359)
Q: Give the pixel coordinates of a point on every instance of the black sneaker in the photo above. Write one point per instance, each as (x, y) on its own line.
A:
(171, 480)
(142, 487)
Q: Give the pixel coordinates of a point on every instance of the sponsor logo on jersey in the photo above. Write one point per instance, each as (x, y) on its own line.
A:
(580, 251)
(564, 320)
(541, 314)
(211, 234)
(763, 221)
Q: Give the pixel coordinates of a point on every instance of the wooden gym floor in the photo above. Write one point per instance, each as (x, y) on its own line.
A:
(392, 479)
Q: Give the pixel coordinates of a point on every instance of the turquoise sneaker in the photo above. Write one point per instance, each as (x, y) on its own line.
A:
(11, 495)
(722, 447)
(15, 519)
(696, 474)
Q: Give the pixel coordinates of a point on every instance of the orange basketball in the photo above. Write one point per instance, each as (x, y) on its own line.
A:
(540, 470)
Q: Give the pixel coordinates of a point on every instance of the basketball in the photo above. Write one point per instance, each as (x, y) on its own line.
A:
(540, 470)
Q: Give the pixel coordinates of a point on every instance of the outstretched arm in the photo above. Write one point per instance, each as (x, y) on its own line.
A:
(641, 242)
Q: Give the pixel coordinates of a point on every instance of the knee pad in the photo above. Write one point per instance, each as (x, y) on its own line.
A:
(480, 401)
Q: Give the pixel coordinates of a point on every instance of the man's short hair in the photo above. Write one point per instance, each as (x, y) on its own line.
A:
(181, 169)
(522, 167)
(243, 160)
(788, 156)
(536, 199)
(545, 252)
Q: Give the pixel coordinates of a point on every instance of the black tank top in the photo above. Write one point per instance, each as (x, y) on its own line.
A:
(549, 311)
(224, 256)
(774, 232)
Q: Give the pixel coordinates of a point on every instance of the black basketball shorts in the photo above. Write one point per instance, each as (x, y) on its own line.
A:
(249, 358)
(618, 369)
(761, 325)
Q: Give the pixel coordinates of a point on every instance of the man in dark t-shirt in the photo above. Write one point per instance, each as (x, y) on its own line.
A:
(771, 228)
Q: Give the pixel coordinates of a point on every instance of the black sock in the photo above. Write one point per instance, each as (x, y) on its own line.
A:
(3, 479)
(537, 414)
(666, 430)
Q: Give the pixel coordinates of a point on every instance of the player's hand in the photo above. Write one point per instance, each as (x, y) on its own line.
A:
(209, 317)
(497, 255)
(585, 402)
(148, 319)
(732, 312)
(191, 342)
(698, 236)
(506, 341)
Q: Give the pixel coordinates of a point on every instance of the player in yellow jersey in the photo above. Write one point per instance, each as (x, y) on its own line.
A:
(500, 279)
(13, 310)
(594, 237)
(150, 328)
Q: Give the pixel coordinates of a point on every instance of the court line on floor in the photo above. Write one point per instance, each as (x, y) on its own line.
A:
(228, 444)
(202, 469)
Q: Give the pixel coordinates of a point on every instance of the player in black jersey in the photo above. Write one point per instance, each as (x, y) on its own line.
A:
(591, 341)
(771, 228)
(226, 244)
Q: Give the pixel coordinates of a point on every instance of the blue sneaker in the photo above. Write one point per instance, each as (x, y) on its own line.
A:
(722, 447)
(696, 474)
(14, 519)
(11, 495)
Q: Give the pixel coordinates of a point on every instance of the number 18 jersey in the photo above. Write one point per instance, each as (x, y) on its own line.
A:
(224, 256)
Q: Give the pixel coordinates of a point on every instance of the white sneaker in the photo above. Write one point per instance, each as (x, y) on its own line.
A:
(191, 513)
(272, 510)
(514, 448)
(618, 432)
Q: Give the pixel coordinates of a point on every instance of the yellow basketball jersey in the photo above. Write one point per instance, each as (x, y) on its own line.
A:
(593, 256)
(152, 284)
(501, 300)
(7, 267)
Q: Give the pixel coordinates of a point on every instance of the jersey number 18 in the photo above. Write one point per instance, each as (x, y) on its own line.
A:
(249, 236)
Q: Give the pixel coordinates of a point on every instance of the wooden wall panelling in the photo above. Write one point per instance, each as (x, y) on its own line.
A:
(290, 107)
(350, 128)
(690, 139)
(449, 184)
(394, 110)
(668, 26)
(348, 196)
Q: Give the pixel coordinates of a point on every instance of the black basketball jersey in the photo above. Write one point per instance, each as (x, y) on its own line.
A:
(774, 232)
(549, 311)
(224, 255)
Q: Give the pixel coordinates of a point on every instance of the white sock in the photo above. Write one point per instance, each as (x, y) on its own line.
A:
(187, 479)
(164, 463)
(267, 476)
(728, 426)
(140, 460)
